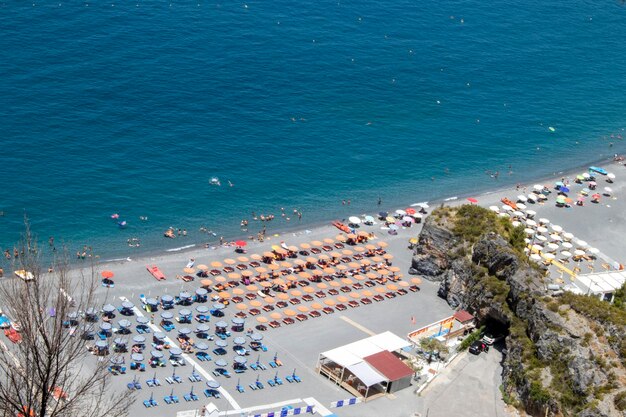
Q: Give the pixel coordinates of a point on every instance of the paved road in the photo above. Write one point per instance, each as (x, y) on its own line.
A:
(470, 387)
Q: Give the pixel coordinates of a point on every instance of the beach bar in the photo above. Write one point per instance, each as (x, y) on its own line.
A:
(368, 368)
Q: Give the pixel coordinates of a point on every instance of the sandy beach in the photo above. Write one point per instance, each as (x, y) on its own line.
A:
(298, 345)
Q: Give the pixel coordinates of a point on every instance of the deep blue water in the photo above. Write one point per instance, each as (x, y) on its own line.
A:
(130, 108)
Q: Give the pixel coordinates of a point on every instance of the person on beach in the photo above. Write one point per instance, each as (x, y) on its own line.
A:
(380, 201)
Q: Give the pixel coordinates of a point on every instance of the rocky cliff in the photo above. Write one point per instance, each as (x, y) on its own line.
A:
(563, 358)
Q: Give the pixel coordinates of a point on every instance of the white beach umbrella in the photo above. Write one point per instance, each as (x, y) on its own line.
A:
(549, 256)
(567, 245)
(521, 206)
(401, 212)
(556, 237)
(531, 222)
(553, 246)
(594, 251)
(568, 236)
(537, 248)
(557, 228)
(608, 190)
(423, 205)
(541, 229)
(541, 238)
(522, 198)
(531, 213)
(527, 241)
(543, 220)
(517, 213)
(538, 187)
(507, 208)
(529, 231)
(495, 209)
(535, 257)
(610, 175)
(354, 220)
(515, 223)
(532, 197)
(582, 243)
(586, 175)
(417, 216)
(566, 254)
(503, 214)
(579, 252)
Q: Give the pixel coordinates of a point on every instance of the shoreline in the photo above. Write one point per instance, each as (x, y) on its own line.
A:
(317, 228)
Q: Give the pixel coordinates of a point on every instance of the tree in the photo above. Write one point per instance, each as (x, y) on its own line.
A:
(50, 372)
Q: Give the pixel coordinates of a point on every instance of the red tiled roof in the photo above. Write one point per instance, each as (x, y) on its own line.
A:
(389, 365)
(463, 316)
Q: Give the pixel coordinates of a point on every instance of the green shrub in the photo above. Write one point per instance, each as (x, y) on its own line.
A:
(538, 394)
(620, 401)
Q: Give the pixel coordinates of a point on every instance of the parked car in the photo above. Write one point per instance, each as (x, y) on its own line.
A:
(491, 338)
(477, 347)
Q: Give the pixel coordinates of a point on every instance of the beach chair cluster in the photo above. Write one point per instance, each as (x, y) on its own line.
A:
(272, 382)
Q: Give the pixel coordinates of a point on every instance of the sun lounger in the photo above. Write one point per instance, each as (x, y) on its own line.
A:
(328, 310)
(281, 304)
(259, 385)
(194, 377)
(254, 312)
(390, 294)
(401, 292)
(290, 379)
(288, 320)
(316, 251)
(170, 399)
(341, 307)
(296, 378)
(302, 317)
(240, 389)
(190, 397)
(274, 324)
(315, 314)
(414, 288)
(153, 383)
(271, 383)
(378, 297)
(295, 301)
(320, 294)
(333, 291)
(253, 387)
(307, 298)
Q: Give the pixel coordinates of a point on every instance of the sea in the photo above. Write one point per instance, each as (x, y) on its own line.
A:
(324, 108)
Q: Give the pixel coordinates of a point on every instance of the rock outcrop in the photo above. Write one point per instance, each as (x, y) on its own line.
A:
(557, 358)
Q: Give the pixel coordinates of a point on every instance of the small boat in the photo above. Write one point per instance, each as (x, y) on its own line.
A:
(215, 181)
(509, 203)
(155, 272)
(342, 227)
(599, 170)
(122, 224)
(25, 275)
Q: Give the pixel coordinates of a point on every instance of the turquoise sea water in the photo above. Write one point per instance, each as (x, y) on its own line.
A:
(131, 107)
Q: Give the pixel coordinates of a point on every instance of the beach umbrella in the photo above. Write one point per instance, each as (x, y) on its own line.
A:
(472, 200)
(156, 354)
(529, 231)
(393, 227)
(532, 197)
(564, 189)
(542, 197)
(582, 243)
(238, 291)
(241, 306)
(203, 267)
(239, 340)
(535, 257)
(206, 282)
(262, 319)
(289, 312)
(560, 199)
(537, 248)
(317, 242)
(541, 238)
(275, 316)
(329, 302)
(567, 245)
(610, 176)
(556, 237)
(521, 206)
(608, 190)
(522, 198)
(408, 219)
(245, 258)
(538, 187)
(401, 213)
(531, 222)
(221, 343)
(139, 339)
(241, 243)
(202, 309)
(189, 270)
(108, 308)
(594, 251)
(518, 213)
(202, 328)
(579, 252)
(216, 264)
(184, 331)
(553, 246)
(566, 254)
(107, 274)
(229, 261)
(201, 292)
(549, 256)
(495, 209)
(167, 315)
(221, 362)
(354, 220)
(530, 213)
(507, 207)
(256, 257)
(201, 346)
(124, 324)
